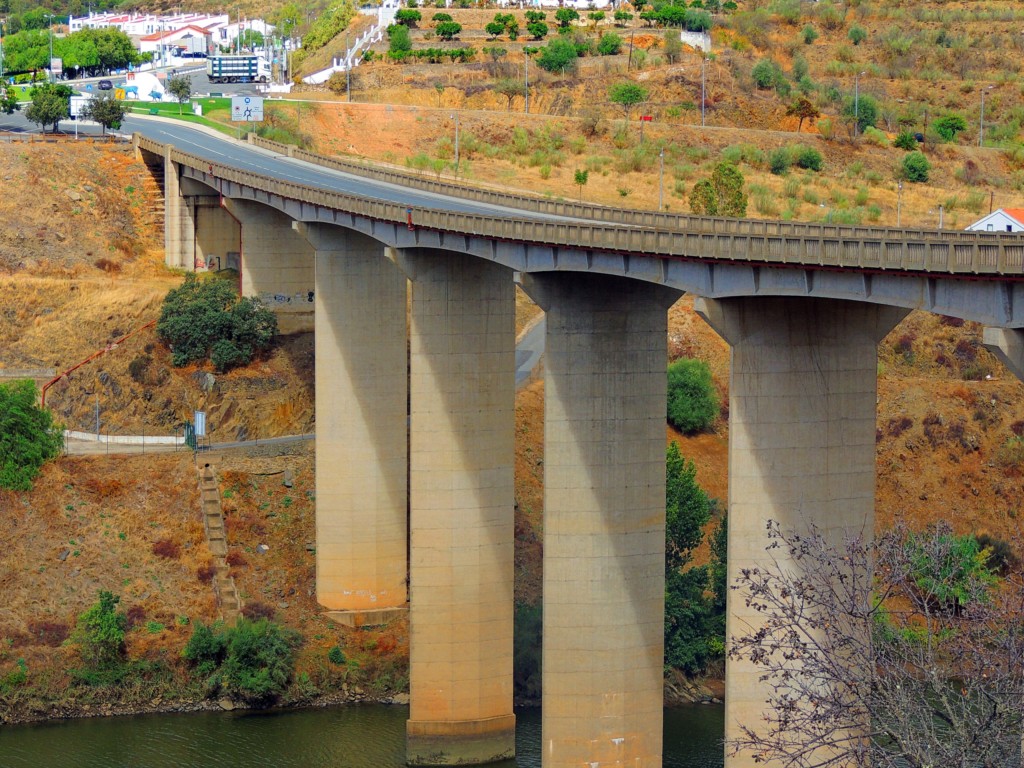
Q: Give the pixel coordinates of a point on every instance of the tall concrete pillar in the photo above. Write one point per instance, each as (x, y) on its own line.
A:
(801, 442)
(361, 445)
(277, 264)
(179, 224)
(462, 397)
(604, 519)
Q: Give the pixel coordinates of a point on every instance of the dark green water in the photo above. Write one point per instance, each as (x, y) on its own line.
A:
(341, 737)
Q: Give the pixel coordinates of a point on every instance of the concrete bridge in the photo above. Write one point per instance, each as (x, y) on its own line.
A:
(803, 307)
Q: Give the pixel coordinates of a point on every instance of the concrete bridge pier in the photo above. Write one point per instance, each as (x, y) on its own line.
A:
(361, 446)
(190, 225)
(462, 398)
(802, 403)
(604, 518)
(277, 263)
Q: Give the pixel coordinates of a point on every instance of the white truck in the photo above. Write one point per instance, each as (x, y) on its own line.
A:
(247, 68)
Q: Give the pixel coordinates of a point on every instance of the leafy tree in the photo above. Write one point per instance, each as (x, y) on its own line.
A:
(766, 74)
(180, 87)
(28, 436)
(105, 109)
(558, 55)
(609, 44)
(494, 28)
(948, 126)
(9, 102)
(865, 663)
(510, 88)
(251, 39)
(672, 46)
(915, 166)
(860, 111)
(100, 632)
(287, 18)
(580, 178)
(538, 30)
(728, 183)
(50, 104)
(408, 17)
(857, 34)
(565, 17)
(447, 30)
(399, 40)
(905, 140)
(534, 16)
(694, 620)
(596, 16)
(622, 18)
(627, 95)
(692, 398)
(26, 51)
(206, 319)
(697, 21)
(703, 200)
(803, 109)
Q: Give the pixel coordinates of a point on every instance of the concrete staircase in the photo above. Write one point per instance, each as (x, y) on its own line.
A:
(216, 538)
(153, 189)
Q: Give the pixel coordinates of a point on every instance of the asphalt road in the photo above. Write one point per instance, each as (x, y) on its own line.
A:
(253, 159)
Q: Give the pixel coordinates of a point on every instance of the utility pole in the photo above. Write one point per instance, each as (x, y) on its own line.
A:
(899, 200)
(455, 117)
(526, 59)
(661, 180)
(703, 89)
(856, 103)
(981, 119)
(348, 70)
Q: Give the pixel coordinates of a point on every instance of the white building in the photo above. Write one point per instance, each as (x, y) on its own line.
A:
(1003, 220)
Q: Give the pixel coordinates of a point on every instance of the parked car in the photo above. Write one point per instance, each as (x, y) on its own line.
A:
(105, 85)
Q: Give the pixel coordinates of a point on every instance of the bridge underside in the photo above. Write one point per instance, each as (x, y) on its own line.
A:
(802, 428)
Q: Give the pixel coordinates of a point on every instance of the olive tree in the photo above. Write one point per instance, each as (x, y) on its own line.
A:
(180, 87)
(890, 653)
(627, 95)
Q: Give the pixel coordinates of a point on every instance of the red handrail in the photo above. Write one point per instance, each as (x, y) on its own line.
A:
(90, 358)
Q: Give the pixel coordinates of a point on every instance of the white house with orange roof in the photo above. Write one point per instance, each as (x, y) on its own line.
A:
(1002, 220)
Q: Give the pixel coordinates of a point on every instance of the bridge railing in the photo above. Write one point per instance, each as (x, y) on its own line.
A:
(621, 216)
(723, 239)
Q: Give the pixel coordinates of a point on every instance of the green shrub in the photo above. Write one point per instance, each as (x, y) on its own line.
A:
(874, 136)
(915, 167)
(206, 648)
(779, 161)
(808, 158)
(857, 34)
(609, 44)
(558, 56)
(949, 571)
(399, 40)
(809, 34)
(692, 398)
(948, 126)
(336, 656)
(527, 653)
(206, 319)
(100, 633)
(28, 436)
(253, 660)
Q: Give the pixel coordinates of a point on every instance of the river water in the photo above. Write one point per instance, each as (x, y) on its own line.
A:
(339, 737)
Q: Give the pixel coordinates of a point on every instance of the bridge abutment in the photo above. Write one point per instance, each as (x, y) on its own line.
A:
(361, 446)
(604, 519)
(462, 387)
(276, 263)
(802, 401)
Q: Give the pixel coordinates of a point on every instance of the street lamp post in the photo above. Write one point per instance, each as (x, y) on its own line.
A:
(455, 117)
(981, 119)
(940, 216)
(661, 179)
(49, 66)
(856, 104)
(899, 201)
(1, 51)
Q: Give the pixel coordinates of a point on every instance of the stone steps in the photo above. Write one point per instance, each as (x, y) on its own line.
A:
(224, 587)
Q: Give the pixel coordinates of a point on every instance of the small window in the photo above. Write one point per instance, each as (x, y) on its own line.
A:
(989, 227)
(1009, 227)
